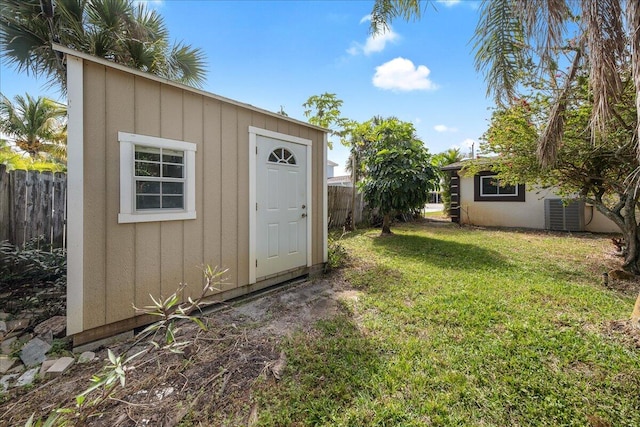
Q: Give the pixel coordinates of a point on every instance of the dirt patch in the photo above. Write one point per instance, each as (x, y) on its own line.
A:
(210, 384)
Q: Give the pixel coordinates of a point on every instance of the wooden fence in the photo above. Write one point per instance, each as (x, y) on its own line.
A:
(339, 200)
(33, 204)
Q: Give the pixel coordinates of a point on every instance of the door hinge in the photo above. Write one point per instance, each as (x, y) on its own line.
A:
(256, 206)
(256, 263)
(256, 150)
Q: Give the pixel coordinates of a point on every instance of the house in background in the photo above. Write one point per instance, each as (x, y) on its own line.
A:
(482, 200)
(330, 166)
(338, 181)
(164, 178)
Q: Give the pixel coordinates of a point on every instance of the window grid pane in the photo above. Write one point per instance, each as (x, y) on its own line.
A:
(162, 178)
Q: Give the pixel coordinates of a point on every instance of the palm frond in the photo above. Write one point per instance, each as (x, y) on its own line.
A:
(606, 41)
(551, 138)
(385, 11)
(499, 42)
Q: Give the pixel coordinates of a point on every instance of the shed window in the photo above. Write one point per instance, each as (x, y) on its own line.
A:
(282, 156)
(157, 179)
(159, 176)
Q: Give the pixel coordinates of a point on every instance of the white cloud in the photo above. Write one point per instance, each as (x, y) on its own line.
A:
(401, 74)
(375, 42)
(444, 128)
(449, 3)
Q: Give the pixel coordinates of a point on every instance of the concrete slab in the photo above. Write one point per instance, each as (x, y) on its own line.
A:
(45, 366)
(6, 363)
(6, 346)
(6, 381)
(34, 352)
(59, 367)
(27, 378)
(86, 357)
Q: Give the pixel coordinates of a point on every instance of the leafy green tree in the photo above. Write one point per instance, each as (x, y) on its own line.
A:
(119, 30)
(36, 126)
(445, 158)
(324, 110)
(398, 170)
(593, 167)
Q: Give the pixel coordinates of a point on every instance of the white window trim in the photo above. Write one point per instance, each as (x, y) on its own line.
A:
(128, 213)
(482, 194)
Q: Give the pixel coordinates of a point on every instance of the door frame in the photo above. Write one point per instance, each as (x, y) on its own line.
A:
(254, 132)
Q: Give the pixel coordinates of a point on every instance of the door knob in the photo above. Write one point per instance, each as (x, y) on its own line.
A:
(304, 215)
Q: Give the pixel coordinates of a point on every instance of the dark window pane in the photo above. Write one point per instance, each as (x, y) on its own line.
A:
(147, 187)
(171, 156)
(273, 158)
(172, 188)
(147, 202)
(508, 189)
(172, 202)
(149, 154)
(147, 169)
(172, 171)
(489, 185)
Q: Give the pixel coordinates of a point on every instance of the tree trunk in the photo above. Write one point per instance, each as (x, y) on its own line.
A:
(386, 223)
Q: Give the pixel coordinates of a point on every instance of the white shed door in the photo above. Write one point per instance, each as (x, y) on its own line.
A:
(281, 211)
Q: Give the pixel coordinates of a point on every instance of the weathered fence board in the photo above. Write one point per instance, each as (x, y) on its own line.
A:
(339, 205)
(32, 204)
(5, 197)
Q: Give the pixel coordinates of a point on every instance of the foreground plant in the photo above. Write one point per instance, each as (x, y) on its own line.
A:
(161, 335)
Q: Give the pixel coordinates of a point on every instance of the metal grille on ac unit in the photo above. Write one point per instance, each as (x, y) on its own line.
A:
(562, 216)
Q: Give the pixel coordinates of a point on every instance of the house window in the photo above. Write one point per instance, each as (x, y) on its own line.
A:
(157, 179)
(492, 186)
(488, 188)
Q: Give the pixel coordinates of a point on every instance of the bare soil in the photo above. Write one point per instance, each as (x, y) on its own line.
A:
(210, 383)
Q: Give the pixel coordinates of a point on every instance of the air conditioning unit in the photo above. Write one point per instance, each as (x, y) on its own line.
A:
(564, 216)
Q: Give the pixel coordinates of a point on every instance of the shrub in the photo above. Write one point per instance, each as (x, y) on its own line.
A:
(36, 262)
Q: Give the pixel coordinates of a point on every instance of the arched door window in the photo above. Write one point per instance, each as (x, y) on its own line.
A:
(282, 156)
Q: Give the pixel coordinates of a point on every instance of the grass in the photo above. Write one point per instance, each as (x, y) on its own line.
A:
(464, 327)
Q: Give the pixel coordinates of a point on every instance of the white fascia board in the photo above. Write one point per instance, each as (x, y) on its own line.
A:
(325, 203)
(75, 195)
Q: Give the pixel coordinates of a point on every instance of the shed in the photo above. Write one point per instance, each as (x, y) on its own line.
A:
(164, 179)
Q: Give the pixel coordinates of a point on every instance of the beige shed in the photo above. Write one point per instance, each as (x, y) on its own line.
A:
(164, 178)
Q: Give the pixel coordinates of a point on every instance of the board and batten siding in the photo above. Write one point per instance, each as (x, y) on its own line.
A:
(124, 263)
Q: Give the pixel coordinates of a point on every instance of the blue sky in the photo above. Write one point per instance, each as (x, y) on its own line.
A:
(278, 53)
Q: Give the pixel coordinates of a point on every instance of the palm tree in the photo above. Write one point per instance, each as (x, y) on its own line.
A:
(113, 29)
(512, 35)
(36, 126)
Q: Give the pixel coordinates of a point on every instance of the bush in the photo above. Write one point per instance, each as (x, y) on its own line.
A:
(36, 262)
(337, 254)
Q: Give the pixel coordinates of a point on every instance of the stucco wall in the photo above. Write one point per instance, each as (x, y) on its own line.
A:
(527, 214)
(124, 263)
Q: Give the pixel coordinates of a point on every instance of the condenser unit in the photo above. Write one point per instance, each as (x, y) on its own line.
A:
(564, 216)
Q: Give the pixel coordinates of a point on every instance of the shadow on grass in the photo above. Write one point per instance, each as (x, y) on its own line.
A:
(440, 253)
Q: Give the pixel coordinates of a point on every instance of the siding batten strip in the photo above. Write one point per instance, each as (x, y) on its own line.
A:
(75, 203)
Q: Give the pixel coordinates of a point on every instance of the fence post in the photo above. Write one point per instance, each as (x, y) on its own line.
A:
(5, 202)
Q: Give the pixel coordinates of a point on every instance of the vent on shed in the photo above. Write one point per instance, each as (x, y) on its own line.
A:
(563, 217)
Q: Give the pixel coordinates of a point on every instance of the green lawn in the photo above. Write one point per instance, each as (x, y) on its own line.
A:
(460, 326)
